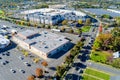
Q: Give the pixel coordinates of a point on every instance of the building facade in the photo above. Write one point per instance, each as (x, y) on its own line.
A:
(52, 16)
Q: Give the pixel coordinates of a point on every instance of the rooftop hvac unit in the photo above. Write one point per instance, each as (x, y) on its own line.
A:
(47, 21)
(73, 18)
(77, 18)
(42, 20)
(69, 18)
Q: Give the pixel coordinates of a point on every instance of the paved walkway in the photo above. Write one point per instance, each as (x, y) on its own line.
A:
(103, 67)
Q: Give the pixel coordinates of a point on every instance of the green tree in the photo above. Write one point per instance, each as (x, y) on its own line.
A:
(79, 31)
(106, 16)
(68, 59)
(103, 41)
(74, 51)
(117, 21)
(43, 26)
(71, 30)
(116, 32)
(64, 22)
(60, 70)
(116, 63)
(80, 21)
(116, 44)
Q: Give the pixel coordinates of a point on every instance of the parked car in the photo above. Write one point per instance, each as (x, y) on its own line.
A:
(22, 71)
(13, 71)
(21, 58)
(26, 63)
(3, 63)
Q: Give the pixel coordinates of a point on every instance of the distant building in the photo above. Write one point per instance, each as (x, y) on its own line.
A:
(3, 42)
(100, 12)
(57, 6)
(52, 16)
(116, 54)
(43, 44)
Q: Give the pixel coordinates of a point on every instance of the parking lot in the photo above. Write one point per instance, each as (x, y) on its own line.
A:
(12, 67)
(16, 67)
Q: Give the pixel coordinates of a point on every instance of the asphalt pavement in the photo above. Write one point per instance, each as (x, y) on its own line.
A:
(103, 67)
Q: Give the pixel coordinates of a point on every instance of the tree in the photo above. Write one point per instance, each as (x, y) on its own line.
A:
(64, 22)
(36, 60)
(25, 53)
(44, 63)
(35, 25)
(106, 16)
(68, 59)
(71, 30)
(97, 45)
(80, 21)
(116, 39)
(43, 26)
(80, 44)
(60, 70)
(117, 21)
(62, 29)
(116, 32)
(116, 63)
(103, 41)
(79, 31)
(73, 52)
(88, 21)
(116, 44)
(31, 78)
(39, 72)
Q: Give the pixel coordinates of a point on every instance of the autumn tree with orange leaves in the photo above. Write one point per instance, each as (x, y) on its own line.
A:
(31, 78)
(39, 72)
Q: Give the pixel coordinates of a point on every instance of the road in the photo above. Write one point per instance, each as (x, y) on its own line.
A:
(103, 67)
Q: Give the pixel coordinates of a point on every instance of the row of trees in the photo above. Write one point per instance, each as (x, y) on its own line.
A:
(69, 59)
(41, 6)
(108, 41)
(80, 22)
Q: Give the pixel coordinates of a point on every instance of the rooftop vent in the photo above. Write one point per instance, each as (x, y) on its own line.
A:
(45, 32)
(46, 47)
(60, 39)
(44, 35)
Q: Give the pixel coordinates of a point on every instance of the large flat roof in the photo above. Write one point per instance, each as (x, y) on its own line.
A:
(52, 11)
(45, 41)
(27, 33)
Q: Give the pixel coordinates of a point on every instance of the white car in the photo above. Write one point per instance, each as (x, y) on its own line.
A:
(3, 63)
(28, 64)
(21, 58)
